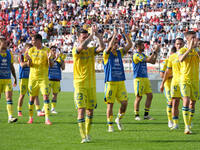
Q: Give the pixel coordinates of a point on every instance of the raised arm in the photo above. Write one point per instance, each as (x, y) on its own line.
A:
(50, 60)
(153, 57)
(85, 43)
(112, 42)
(128, 40)
(27, 63)
(100, 40)
(190, 47)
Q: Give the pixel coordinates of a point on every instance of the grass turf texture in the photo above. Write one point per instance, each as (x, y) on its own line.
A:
(64, 133)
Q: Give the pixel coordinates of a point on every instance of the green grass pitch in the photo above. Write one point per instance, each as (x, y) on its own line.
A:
(64, 133)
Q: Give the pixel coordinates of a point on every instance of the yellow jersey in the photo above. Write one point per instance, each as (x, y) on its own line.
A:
(163, 69)
(39, 67)
(189, 66)
(84, 67)
(174, 64)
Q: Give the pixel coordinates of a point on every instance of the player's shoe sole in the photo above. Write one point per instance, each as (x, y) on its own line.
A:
(12, 120)
(54, 112)
(48, 122)
(137, 118)
(187, 131)
(40, 114)
(148, 118)
(84, 141)
(30, 121)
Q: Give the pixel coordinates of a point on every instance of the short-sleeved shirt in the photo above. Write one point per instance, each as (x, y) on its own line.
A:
(40, 66)
(84, 67)
(163, 69)
(189, 66)
(174, 64)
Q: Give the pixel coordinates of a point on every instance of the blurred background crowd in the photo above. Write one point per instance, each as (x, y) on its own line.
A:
(154, 21)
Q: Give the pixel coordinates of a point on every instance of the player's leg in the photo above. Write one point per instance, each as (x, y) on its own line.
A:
(37, 106)
(88, 123)
(110, 117)
(20, 103)
(109, 98)
(81, 124)
(122, 97)
(56, 90)
(147, 106)
(31, 108)
(8, 93)
(44, 87)
(148, 91)
(185, 91)
(137, 106)
(169, 113)
(23, 86)
(169, 104)
(91, 104)
(53, 103)
(175, 112)
(80, 98)
(185, 111)
(33, 88)
(194, 98)
(138, 89)
(191, 111)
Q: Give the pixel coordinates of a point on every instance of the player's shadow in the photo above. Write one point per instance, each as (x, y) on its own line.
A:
(173, 141)
(137, 123)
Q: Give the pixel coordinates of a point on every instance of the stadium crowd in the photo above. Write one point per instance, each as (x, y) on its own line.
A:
(153, 21)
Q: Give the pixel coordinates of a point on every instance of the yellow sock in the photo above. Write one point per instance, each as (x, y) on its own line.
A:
(46, 108)
(9, 107)
(191, 115)
(175, 120)
(53, 104)
(88, 123)
(31, 107)
(81, 124)
(19, 108)
(169, 112)
(185, 115)
(120, 116)
(37, 107)
(136, 112)
(110, 121)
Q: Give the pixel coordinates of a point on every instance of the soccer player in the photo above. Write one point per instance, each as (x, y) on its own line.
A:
(173, 67)
(38, 58)
(141, 82)
(23, 76)
(189, 78)
(55, 75)
(167, 87)
(114, 79)
(6, 68)
(85, 79)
